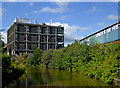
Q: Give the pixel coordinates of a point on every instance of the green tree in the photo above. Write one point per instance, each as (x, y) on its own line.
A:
(36, 58)
(47, 57)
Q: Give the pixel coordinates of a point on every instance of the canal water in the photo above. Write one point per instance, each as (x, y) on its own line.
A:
(36, 77)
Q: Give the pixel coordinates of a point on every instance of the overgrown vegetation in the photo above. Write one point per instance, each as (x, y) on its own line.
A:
(10, 71)
(35, 59)
(96, 61)
(20, 61)
(11, 68)
(99, 61)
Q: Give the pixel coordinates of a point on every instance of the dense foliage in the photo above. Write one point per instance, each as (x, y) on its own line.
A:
(36, 58)
(97, 61)
(6, 62)
(10, 71)
(20, 61)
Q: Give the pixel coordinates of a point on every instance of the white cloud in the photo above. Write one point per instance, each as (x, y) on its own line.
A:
(92, 10)
(112, 17)
(31, 4)
(100, 24)
(52, 10)
(4, 35)
(62, 7)
(70, 31)
(62, 4)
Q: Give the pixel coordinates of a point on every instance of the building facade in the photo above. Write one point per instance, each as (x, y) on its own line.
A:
(108, 34)
(24, 37)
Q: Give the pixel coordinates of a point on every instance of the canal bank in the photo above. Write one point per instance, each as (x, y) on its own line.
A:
(100, 62)
(39, 77)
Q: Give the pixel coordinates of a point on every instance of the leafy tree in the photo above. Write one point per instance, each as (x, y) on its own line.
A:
(36, 58)
(46, 57)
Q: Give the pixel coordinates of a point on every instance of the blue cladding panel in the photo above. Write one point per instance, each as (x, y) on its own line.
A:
(112, 36)
(107, 35)
(100, 39)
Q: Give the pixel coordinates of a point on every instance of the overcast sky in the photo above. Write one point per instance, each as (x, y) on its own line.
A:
(79, 19)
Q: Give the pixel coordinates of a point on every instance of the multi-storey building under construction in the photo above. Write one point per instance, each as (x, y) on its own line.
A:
(25, 37)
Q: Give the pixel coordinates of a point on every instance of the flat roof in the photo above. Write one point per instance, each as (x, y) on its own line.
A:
(35, 25)
(99, 31)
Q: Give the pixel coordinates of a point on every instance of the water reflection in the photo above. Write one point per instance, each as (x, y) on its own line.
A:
(51, 77)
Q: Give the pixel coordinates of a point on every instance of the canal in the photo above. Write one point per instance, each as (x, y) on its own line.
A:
(36, 77)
